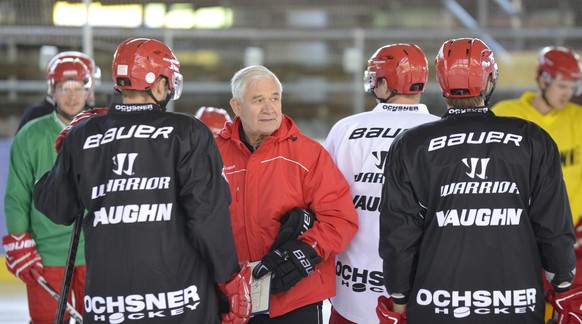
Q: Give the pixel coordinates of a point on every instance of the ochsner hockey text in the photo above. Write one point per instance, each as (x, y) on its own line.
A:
(117, 309)
(464, 303)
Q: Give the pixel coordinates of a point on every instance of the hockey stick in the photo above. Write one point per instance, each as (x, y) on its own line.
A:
(44, 284)
(69, 268)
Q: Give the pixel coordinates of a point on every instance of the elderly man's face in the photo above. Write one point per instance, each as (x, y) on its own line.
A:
(260, 110)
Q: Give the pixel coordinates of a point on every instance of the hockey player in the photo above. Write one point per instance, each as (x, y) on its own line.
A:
(474, 205)
(559, 77)
(158, 228)
(273, 168)
(396, 76)
(214, 118)
(47, 105)
(34, 242)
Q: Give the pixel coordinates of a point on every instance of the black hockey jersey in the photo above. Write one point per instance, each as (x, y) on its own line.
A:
(157, 229)
(474, 205)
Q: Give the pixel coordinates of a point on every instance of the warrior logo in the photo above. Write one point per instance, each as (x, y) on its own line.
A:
(381, 157)
(475, 162)
(120, 162)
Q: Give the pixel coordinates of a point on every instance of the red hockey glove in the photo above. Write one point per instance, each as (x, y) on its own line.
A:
(567, 305)
(290, 263)
(238, 292)
(80, 116)
(293, 224)
(22, 257)
(386, 314)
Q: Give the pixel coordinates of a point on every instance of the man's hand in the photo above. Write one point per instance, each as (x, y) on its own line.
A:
(389, 313)
(22, 256)
(290, 263)
(567, 305)
(80, 116)
(293, 224)
(238, 293)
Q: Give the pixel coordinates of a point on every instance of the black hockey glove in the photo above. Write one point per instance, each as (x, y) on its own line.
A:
(290, 263)
(563, 282)
(293, 224)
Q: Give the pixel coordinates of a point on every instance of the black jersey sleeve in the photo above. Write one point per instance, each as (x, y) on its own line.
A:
(401, 224)
(205, 195)
(60, 203)
(549, 210)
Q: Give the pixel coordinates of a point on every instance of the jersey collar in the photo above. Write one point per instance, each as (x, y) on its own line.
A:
(393, 107)
(468, 111)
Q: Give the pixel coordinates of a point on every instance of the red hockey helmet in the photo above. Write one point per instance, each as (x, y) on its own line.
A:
(214, 118)
(68, 69)
(554, 60)
(86, 59)
(139, 62)
(464, 66)
(404, 66)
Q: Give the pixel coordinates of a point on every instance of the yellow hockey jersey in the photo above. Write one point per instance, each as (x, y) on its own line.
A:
(565, 128)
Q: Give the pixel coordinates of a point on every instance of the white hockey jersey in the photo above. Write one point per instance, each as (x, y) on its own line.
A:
(359, 145)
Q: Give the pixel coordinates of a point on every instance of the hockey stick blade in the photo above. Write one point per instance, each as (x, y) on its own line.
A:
(44, 284)
(65, 287)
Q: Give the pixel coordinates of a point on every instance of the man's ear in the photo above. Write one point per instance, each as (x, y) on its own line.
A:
(159, 87)
(382, 90)
(235, 104)
(542, 82)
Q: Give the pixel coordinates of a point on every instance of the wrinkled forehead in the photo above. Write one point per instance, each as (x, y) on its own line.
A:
(263, 86)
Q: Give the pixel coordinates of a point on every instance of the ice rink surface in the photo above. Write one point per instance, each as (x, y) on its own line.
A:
(13, 307)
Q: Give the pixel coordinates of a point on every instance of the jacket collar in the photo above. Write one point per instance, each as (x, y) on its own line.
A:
(287, 130)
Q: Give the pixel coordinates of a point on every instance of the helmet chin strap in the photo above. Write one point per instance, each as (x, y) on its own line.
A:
(161, 103)
(384, 100)
(487, 96)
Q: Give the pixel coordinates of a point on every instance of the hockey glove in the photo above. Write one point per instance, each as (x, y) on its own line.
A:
(238, 292)
(567, 305)
(80, 116)
(22, 256)
(561, 283)
(290, 263)
(293, 224)
(386, 314)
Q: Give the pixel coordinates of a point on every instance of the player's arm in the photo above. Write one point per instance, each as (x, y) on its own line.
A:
(204, 195)
(19, 245)
(400, 226)
(550, 214)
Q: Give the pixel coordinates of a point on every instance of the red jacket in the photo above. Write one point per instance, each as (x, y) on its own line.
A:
(287, 170)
